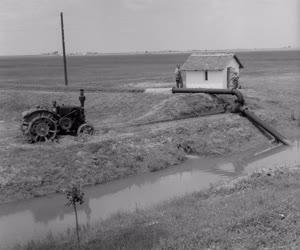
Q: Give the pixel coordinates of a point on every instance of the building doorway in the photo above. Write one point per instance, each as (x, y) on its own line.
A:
(229, 70)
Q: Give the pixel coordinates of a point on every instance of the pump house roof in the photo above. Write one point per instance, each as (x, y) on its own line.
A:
(215, 61)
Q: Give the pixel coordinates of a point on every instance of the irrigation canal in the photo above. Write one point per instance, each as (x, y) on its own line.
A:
(35, 218)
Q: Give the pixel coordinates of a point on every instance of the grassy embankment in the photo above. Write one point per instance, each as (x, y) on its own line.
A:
(261, 211)
(125, 145)
(121, 148)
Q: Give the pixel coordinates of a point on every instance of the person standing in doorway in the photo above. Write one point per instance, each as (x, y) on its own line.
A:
(178, 77)
(235, 83)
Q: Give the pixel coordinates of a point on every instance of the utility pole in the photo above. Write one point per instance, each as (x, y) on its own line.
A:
(63, 46)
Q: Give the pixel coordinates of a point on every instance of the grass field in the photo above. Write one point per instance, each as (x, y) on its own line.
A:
(126, 123)
(272, 67)
(87, 71)
(254, 213)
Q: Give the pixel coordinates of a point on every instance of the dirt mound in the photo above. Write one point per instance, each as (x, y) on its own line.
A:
(183, 106)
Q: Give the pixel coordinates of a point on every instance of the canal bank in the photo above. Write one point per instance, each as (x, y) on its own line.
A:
(45, 215)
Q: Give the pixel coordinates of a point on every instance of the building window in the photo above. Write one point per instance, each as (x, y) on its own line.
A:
(206, 75)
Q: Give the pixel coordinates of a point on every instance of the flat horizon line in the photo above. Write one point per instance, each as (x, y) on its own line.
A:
(95, 53)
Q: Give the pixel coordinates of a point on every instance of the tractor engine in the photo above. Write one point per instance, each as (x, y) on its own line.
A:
(69, 118)
(45, 124)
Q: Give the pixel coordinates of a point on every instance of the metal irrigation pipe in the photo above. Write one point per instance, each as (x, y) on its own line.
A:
(238, 108)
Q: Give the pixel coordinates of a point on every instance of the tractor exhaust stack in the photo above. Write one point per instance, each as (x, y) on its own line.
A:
(81, 98)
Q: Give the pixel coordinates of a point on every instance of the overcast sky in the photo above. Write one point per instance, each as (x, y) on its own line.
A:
(33, 26)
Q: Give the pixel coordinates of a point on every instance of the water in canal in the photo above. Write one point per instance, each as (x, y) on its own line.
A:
(35, 218)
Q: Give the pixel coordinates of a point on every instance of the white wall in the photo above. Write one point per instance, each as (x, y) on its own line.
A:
(196, 79)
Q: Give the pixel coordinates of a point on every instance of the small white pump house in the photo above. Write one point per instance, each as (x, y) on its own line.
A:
(210, 70)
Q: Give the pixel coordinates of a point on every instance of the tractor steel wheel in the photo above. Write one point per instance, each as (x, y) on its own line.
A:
(85, 129)
(42, 128)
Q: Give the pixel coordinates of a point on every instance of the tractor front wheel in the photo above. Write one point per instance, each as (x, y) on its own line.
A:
(85, 129)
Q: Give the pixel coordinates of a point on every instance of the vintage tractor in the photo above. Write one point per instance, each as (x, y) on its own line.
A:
(45, 124)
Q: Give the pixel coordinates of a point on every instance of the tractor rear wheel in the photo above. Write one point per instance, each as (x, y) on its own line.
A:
(41, 128)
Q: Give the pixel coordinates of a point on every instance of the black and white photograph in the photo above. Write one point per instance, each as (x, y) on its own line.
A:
(149, 124)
